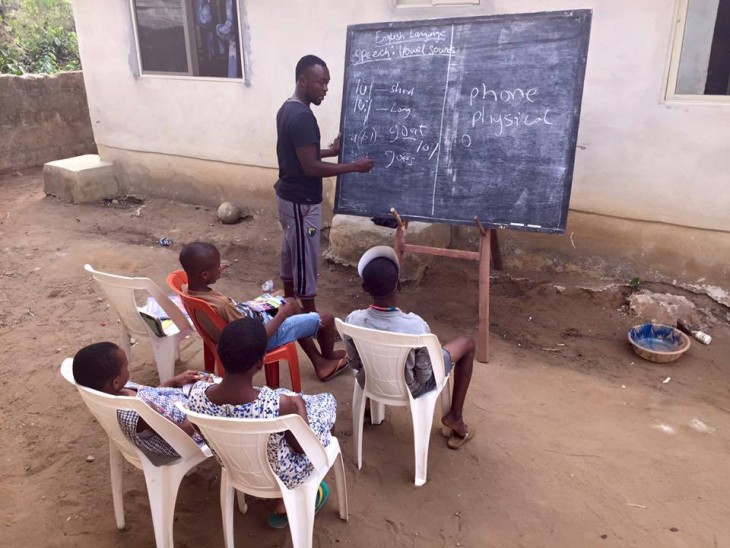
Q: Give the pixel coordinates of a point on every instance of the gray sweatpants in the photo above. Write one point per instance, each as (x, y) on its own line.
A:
(300, 224)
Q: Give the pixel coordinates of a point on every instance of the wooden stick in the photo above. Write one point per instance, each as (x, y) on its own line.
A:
(484, 271)
(394, 212)
(440, 251)
(481, 228)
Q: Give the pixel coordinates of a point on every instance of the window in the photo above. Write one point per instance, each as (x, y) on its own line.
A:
(188, 37)
(700, 67)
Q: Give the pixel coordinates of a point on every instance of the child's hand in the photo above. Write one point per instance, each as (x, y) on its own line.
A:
(289, 308)
(188, 377)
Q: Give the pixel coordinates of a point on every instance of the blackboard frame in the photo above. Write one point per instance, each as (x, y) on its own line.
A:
(570, 150)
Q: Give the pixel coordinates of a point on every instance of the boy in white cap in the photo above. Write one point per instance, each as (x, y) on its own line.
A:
(379, 270)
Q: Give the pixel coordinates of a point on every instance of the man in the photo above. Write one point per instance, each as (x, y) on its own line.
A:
(299, 188)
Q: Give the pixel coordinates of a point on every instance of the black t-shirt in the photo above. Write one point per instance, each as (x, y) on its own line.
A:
(296, 127)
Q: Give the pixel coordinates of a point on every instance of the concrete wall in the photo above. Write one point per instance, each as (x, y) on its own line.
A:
(640, 159)
(43, 118)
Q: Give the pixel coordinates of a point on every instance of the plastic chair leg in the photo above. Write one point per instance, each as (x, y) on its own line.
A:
(162, 486)
(422, 415)
(115, 467)
(241, 500)
(272, 374)
(227, 497)
(377, 412)
(299, 505)
(339, 467)
(165, 349)
(358, 417)
(293, 359)
(208, 359)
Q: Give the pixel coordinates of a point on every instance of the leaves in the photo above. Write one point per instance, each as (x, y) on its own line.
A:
(37, 36)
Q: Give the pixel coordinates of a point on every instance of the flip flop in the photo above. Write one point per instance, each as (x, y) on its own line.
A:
(456, 442)
(341, 366)
(280, 521)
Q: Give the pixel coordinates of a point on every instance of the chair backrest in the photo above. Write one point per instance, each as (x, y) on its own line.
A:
(104, 407)
(120, 291)
(241, 446)
(383, 355)
(207, 322)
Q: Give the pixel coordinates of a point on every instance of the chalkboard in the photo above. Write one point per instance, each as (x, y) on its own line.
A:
(465, 117)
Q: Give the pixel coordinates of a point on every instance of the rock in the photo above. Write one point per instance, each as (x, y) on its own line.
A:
(229, 213)
(351, 236)
(90, 458)
(82, 179)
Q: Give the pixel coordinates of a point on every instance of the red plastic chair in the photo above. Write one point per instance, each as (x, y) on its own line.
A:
(207, 321)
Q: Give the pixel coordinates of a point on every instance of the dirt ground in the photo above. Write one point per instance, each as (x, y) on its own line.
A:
(579, 442)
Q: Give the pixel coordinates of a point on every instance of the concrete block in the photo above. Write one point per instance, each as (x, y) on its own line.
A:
(351, 236)
(81, 179)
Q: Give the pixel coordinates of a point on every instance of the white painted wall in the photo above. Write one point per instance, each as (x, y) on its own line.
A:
(639, 157)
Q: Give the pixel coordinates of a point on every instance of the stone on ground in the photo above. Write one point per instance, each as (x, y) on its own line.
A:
(351, 236)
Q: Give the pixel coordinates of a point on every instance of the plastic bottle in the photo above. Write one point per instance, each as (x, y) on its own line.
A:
(701, 336)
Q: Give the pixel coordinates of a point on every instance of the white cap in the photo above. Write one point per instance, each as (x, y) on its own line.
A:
(375, 253)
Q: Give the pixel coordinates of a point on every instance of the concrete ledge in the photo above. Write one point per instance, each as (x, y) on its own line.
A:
(351, 236)
(81, 179)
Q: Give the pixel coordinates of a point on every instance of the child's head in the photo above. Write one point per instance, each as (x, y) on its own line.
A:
(242, 345)
(201, 262)
(379, 270)
(102, 366)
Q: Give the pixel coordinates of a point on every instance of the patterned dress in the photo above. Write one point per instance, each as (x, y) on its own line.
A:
(291, 467)
(162, 400)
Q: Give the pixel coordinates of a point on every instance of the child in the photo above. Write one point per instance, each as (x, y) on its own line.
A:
(202, 264)
(241, 348)
(104, 367)
(379, 270)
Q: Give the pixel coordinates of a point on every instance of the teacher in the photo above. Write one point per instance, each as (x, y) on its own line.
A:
(299, 188)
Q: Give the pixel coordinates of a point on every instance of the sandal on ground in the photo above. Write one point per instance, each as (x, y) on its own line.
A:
(457, 442)
(280, 521)
(339, 368)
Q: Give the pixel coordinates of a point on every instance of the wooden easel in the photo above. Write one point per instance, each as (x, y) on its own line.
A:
(489, 254)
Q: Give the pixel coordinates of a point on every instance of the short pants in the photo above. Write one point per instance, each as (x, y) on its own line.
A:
(301, 224)
(430, 384)
(293, 328)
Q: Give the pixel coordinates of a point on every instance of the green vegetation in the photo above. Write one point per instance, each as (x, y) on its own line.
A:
(634, 284)
(37, 36)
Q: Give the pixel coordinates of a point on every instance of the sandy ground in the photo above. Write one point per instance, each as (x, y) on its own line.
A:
(579, 442)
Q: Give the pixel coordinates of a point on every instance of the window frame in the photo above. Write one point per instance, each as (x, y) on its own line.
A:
(187, 9)
(672, 72)
(437, 4)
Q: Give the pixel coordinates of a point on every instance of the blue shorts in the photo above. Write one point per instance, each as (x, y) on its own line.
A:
(294, 327)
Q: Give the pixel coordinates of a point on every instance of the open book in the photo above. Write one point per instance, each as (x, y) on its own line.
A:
(265, 303)
(156, 318)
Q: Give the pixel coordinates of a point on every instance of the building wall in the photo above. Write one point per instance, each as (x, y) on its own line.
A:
(639, 158)
(43, 118)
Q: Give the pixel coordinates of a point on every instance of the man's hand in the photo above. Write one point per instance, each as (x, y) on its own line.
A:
(363, 165)
(335, 146)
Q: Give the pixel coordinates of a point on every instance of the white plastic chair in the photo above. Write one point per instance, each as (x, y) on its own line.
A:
(383, 355)
(162, 481)
(240, 444)
(120, 291)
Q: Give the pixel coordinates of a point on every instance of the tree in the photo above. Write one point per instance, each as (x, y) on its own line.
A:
(37, 36)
